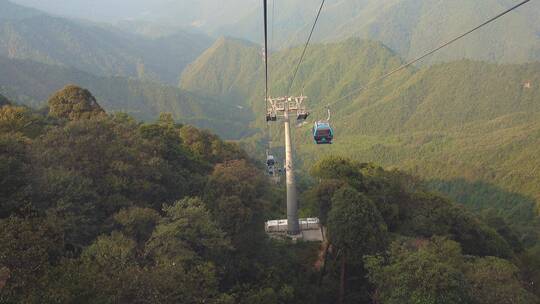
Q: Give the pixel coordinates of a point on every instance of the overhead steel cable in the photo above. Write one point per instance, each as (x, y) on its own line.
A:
(268, 130)
(265, 4)
(406, 65)
(305, 47)
(273, 22)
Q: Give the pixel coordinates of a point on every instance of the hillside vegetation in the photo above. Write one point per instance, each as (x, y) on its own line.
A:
(227, 69)
(32, 83)
(100, 207)
(465, 121)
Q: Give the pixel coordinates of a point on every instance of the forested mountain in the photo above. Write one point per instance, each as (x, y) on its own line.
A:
(32, 83)
(102, 50)
(410, 27)
(227, 69)
(97, 207)
(463, 123)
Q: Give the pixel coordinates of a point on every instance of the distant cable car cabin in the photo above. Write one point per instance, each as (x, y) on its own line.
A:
(271, 163)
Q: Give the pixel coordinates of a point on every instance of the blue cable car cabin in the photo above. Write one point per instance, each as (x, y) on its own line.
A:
(323, 133)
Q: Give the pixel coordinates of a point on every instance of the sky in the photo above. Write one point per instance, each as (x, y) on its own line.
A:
(101, 10)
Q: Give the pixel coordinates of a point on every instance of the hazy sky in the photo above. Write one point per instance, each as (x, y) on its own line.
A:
(94, 9)
(210, 13)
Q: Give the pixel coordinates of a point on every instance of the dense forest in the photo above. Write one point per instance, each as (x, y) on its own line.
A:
(101, 208)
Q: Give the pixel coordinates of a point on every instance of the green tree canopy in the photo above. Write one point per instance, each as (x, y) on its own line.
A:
(435, 271)
(187, 230)
(355, 225)
(28, 247)
(496, 281)
(74, 103)
(339, 168)
(14, 175)
(420, 272)
(137, 223)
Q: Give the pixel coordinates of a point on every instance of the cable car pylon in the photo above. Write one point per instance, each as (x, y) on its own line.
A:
(282, 108)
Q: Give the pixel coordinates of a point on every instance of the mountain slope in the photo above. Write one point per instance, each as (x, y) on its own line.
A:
(11, 11)
(227, 69)
(466, 120)
(32, 83)
(96, 49)
(410, 27)
(439, 98)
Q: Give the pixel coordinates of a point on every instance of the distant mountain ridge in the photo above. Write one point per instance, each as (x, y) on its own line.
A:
(202, 14)
(31, 83)
(30, 34)
(12, 11)
(410, 27)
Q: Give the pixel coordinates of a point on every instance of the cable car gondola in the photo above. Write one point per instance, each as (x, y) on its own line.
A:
(323, 133)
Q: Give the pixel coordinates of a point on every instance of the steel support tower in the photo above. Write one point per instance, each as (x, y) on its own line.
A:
(283, 108)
